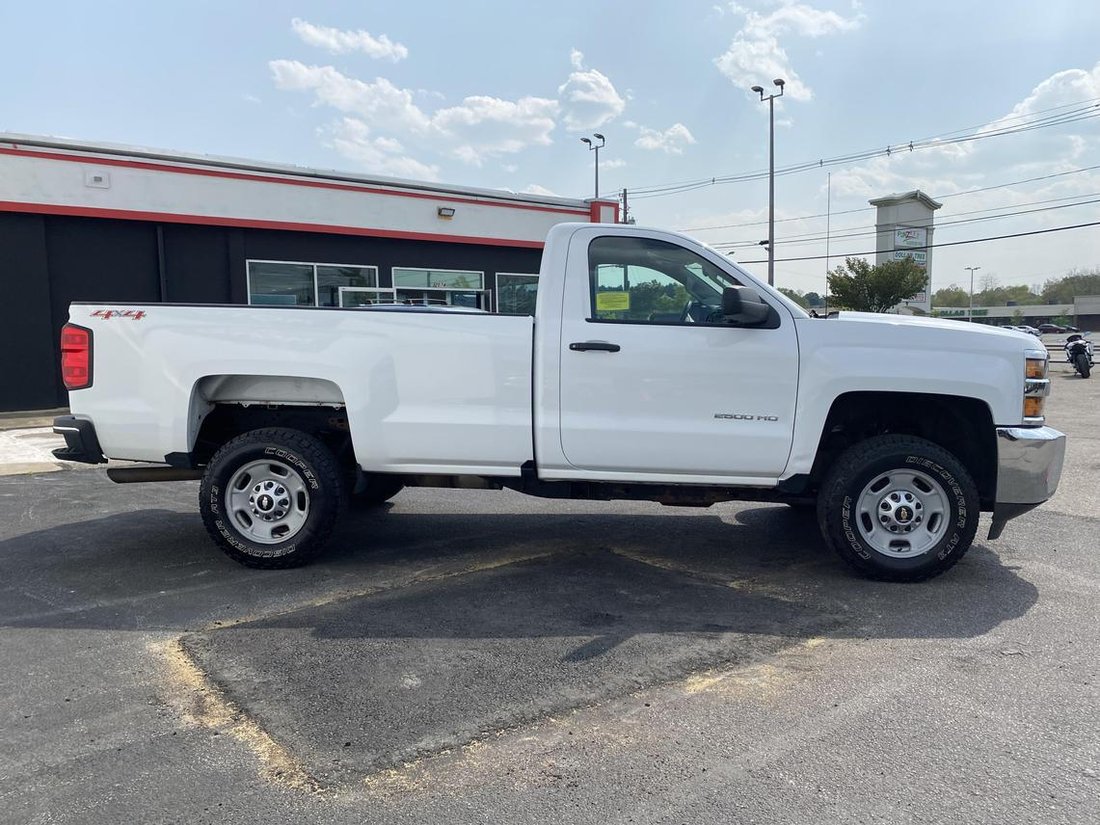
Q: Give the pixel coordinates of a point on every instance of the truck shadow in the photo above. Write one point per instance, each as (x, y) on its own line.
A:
(158, 570)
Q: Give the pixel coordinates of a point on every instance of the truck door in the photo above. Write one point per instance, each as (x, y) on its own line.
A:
(653, 381)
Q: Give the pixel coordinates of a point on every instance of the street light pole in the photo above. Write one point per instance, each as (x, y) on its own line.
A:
(596, 146)
(780, 82)
(970, 312)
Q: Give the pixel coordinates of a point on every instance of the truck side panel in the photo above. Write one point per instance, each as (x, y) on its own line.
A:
(425, 392)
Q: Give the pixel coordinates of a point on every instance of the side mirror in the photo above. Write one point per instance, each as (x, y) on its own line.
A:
(742, 305)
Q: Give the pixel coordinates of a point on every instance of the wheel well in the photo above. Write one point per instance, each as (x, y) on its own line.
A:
(962, 426)
(226, 421)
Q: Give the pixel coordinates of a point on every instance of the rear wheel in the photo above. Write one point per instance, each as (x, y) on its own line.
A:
(1082, 363)
(270, 497)
(898, 508)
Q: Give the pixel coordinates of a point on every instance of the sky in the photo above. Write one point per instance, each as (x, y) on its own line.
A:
(1002, 97)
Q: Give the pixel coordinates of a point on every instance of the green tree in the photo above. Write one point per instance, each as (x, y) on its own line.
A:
(1076, 282)
(858, 285)
(814, 300)
(999, 296)
(951, 296)
(796, 296)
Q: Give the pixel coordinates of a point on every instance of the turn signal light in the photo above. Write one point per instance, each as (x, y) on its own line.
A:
(1033, 406)
(76, 357)
(1036, 368)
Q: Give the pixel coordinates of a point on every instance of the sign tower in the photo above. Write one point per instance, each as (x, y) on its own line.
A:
(903, 229)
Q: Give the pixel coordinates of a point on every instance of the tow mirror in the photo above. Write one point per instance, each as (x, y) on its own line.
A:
(742, 305)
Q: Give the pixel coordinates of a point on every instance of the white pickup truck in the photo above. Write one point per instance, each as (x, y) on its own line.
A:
(653, 369)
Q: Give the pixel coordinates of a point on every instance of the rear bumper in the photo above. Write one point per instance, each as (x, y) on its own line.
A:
(81, 443)
(1029, 464)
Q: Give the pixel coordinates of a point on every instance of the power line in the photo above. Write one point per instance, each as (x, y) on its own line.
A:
(939, 245)
(1085, 110)
(813, 237)
(870, 208)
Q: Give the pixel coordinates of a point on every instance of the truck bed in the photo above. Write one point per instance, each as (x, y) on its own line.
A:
(397, 374)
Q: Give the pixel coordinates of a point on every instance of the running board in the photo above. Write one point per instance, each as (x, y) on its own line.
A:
(138, 475)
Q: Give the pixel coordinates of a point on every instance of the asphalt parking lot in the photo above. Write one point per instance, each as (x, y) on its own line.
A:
(485, 657)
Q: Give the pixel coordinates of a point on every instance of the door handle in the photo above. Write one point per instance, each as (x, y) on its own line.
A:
(598, 346)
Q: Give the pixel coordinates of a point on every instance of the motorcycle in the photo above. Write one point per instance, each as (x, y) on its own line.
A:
(1079, 353)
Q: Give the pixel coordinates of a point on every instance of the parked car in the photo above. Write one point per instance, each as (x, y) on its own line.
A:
(1053, 329)
(283, 412)
(1026, 328)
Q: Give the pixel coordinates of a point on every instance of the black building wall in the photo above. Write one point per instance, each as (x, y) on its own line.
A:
(48, 261)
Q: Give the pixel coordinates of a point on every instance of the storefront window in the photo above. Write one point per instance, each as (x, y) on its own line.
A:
(437, 278)
(305, 284)
(331, 278)
(516, 293)
(281, 284)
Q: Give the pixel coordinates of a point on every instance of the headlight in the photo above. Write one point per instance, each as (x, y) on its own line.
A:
(1036, 386)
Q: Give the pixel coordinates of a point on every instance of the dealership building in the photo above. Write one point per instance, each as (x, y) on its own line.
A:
(84, 222)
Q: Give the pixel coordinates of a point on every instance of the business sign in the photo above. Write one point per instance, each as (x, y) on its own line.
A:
(906, 236)
(919, 256)
(919, 298)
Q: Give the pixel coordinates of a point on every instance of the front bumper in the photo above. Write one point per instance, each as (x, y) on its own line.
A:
(81, 442)
(1029, 464)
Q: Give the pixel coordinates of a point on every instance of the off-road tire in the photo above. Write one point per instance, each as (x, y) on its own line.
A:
(303, 454)
(378, 488)
(856, 467)
(1082, 362)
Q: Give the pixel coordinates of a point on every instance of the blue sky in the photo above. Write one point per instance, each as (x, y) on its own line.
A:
(498, 94)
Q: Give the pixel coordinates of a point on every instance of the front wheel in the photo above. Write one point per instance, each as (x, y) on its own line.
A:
(898, 508)
(1082, 364)
(270, 497)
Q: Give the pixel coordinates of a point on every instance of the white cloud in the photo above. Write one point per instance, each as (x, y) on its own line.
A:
(480, 127)
(484, 127)
(535, 189)
(339, 41)
(671, 141)
(756, 57)
(381, 103)
(351, 137)
(943, 169)
(613, 163)
(588, 98)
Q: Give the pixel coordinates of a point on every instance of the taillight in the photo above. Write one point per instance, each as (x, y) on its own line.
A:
(76, 357)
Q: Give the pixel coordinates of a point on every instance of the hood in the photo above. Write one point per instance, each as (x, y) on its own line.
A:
(948, 324)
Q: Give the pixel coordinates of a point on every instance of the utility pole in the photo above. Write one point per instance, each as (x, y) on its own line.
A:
(626, 211)
(970, 313)
(828, 222)
(780, 82)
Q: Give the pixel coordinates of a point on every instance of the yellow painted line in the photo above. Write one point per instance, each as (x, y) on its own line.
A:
(419, 577)
(28, 467)
(747, 585)
(199, 702)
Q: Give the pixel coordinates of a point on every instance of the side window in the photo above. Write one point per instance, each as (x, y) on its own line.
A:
(641, 280)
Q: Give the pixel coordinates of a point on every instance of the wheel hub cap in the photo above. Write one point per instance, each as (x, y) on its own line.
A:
(902, 513)
(899, 511)
(268, 501)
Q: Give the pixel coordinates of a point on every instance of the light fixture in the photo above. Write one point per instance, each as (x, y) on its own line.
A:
(445, 212)
(595, 147)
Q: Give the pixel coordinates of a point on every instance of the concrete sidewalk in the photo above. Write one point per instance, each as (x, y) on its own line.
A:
(28, 450)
